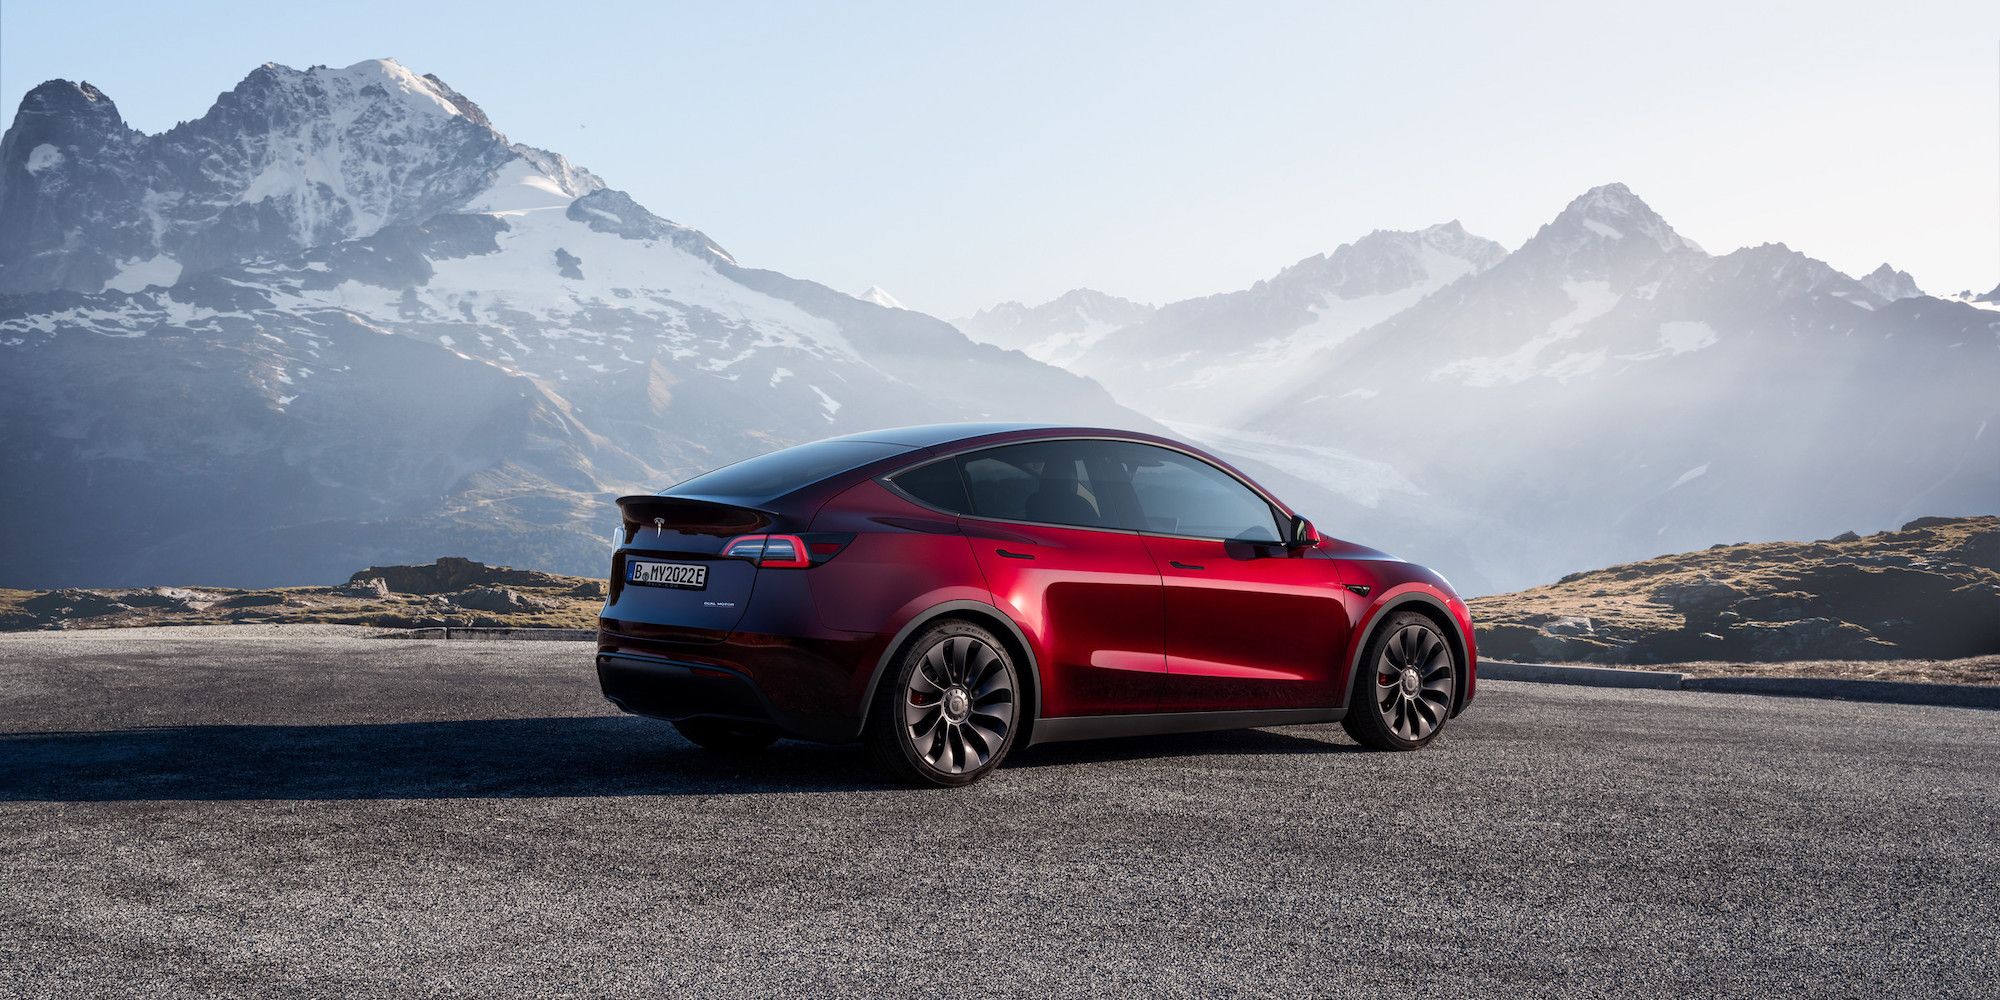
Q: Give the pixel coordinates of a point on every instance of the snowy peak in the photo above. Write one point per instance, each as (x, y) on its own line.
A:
(881, 297)
(1891, 284)
(287, 159)
(1058, 331)
(369, 81)
(1387, 261)
(1603, 224)
(63, 99)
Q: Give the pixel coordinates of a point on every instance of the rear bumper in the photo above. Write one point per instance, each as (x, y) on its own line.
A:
(665, 689)
(810, 687)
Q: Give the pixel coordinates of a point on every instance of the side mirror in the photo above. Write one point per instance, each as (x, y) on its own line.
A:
(1304, 535)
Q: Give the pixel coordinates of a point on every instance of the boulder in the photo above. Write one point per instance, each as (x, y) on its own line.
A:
(452, 573)
(1700, 598)
(498, 599)
(1807, 639)
(1570, 625)
(1982, 550)
(374, 588)
(1927, 522)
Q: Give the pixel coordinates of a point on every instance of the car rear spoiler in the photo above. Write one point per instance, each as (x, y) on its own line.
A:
(691, 516)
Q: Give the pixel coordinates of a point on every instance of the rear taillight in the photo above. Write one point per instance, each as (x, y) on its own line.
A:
(787, 551)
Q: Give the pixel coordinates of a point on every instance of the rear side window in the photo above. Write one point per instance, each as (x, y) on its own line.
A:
(768, 477)
(937, 484)
(1079, 483)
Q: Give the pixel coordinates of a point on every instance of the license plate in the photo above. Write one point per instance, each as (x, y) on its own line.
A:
(686, 576)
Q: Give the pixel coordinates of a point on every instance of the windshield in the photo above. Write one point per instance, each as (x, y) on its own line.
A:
(767, 477)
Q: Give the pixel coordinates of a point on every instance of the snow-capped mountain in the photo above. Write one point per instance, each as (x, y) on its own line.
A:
(1058, 331)
(1607, 391)
(1210, 360)
(1891, 284)
(340, 320)
(1611, 391)
(286, 160)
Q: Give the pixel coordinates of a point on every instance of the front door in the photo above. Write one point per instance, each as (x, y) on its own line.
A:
(1061, 559)
(1251, 624)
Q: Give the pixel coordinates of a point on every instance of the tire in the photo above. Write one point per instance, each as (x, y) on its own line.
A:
(726, 737)
(1411, 651)
(947, 710)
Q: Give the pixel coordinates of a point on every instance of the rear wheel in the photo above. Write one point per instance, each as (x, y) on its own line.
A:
(726, 737)
(1404, 687)
(947, 711)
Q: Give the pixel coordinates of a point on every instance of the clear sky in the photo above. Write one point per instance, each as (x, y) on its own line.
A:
(960, 155)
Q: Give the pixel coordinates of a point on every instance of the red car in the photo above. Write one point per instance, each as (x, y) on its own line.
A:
(948, 593)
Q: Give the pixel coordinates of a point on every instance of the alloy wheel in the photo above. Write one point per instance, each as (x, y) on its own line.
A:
(1413, 681)
(960, 704)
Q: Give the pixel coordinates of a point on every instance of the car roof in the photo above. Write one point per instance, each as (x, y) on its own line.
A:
(938, 435)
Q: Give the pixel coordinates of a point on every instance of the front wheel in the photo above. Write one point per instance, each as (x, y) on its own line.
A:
(946, 713)
(1404, 686)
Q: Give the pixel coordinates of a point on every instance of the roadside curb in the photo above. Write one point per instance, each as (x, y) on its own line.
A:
(497, 632)
(1887, 692)
(1893, 692)
(1546, 673)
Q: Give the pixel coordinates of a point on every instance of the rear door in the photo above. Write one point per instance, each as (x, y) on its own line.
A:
(1063, 561)
(1250, 624)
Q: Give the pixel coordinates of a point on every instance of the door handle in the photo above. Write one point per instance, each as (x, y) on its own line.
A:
(1177, 564)
(1004, 554)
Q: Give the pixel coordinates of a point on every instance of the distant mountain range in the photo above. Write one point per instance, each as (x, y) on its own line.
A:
(1607, 391)
(341, 320)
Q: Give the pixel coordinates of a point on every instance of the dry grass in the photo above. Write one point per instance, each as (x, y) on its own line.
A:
(1928, 594)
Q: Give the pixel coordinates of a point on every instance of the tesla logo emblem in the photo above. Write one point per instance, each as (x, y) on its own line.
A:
(659, 526)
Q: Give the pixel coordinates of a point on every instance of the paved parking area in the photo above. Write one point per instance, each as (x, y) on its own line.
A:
(314, 813)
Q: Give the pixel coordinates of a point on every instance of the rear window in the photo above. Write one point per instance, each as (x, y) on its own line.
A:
(768, 477)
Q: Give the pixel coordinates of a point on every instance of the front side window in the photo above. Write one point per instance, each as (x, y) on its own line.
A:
(1179, 494)
(1120, 485)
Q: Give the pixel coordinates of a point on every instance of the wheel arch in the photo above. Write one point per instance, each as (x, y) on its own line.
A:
(984, 615)
(1430, 606)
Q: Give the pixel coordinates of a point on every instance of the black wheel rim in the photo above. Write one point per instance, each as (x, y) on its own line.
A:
(960, 705)
(1413, 682)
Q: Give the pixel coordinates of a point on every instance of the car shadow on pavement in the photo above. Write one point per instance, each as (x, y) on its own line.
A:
(490, 758)
(482, 758)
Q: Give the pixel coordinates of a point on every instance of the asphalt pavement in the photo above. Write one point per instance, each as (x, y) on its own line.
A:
(312, 813)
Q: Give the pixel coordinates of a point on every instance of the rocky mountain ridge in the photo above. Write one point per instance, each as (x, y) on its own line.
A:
(1928, 590)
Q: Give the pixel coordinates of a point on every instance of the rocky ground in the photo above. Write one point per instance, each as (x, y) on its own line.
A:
(451, 591)
(1926, 595)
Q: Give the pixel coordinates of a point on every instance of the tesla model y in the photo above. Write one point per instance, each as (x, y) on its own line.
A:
(947, 594)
